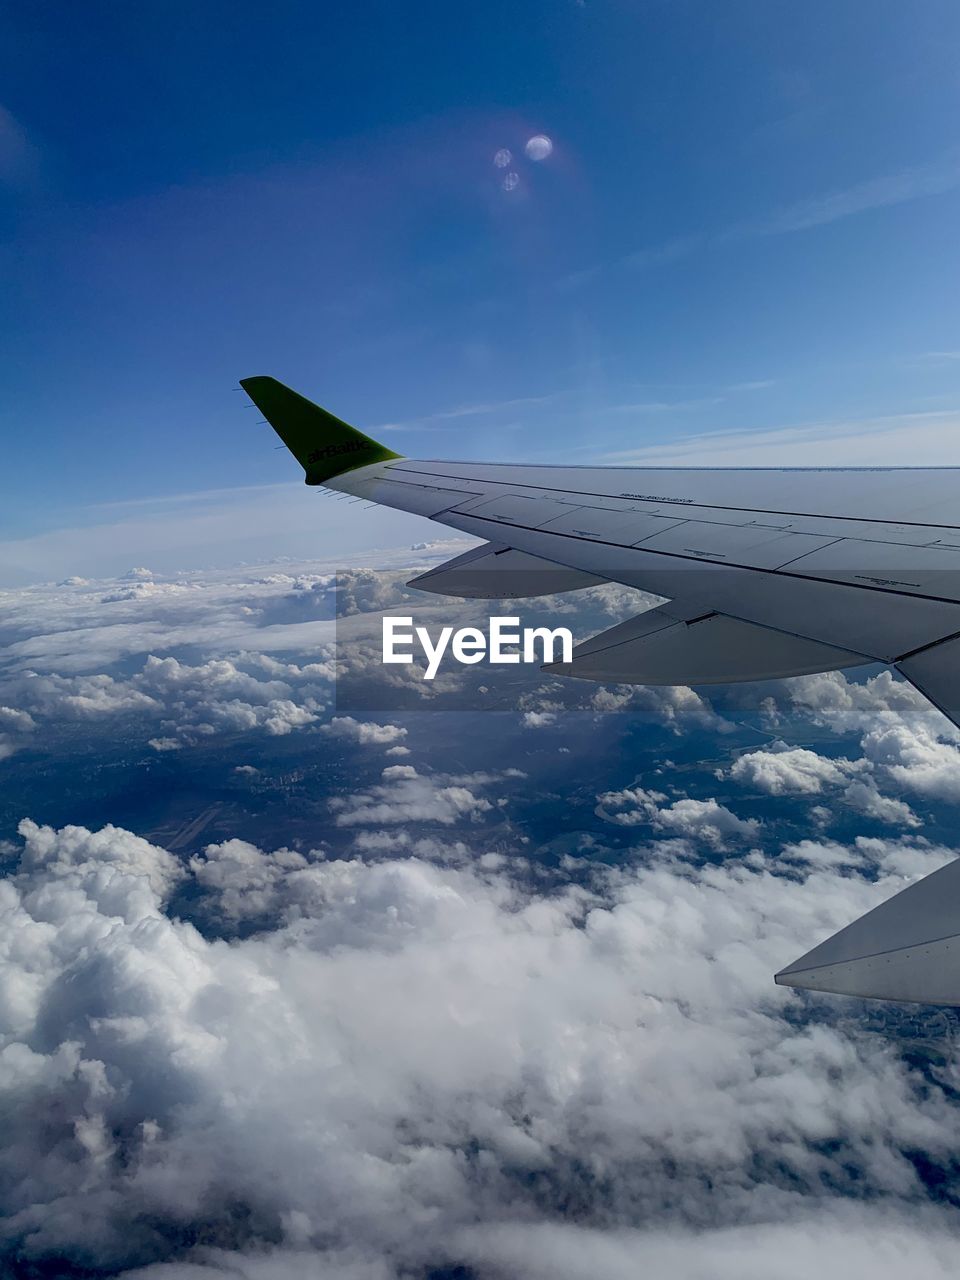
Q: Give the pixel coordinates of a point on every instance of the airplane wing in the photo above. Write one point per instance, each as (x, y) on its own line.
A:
(766, 571)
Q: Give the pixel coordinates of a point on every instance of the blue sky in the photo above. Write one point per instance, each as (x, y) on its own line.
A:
(746, 231)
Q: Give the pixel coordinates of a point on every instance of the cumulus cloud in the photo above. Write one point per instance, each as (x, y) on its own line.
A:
(84, 625)
(142, 591)
(797, 771)
(409, 1066)
(846, 705)
(705, 820)
(413, 1040)
(863, 795)
(15, 725)
(916, 759)
(787, 772)
(206, 647)
(366, 732)
(675, 706)
(406, 796)
(539, 719)
(909, 750)
(82, 696)
(248, 693)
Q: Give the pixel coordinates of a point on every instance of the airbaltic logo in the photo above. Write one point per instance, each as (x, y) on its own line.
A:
(503, 643)
(334, 450)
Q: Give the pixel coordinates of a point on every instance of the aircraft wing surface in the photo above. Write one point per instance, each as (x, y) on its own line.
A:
(765, 572)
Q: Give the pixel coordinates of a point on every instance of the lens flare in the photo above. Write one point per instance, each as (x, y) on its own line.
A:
(538, 147)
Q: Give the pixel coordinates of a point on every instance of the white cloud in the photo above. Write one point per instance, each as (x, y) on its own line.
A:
(798, 771)
(179, 531)
(790, 772)
(366, 732)
(864, 795)
(394, 771)
(189, 701)
(406, 796)
(424, 1057)
(15, 725)
(907, 743)
(538, 719)
(674, 706)
(850, 1241)
(916, 760)
(417, 1066)
(705, 820)
(846, 705)
(82, 696)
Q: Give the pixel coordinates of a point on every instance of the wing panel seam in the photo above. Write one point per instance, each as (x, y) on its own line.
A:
(706, 506)
(729, 564)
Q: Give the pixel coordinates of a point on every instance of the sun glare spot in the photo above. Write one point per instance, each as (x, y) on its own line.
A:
(538, 147)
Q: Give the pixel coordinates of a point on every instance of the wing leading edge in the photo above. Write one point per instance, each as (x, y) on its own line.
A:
(766, 572)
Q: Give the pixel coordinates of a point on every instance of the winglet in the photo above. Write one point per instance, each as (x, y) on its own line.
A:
(322, 444)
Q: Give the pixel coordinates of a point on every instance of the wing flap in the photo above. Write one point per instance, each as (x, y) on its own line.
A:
(658, 647)
(497, 572)
(936, 673)
(908, 948)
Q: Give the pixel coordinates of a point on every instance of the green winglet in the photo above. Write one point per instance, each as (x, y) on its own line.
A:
(322, 444)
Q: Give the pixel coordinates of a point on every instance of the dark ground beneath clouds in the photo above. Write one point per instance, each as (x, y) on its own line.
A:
(293, 989)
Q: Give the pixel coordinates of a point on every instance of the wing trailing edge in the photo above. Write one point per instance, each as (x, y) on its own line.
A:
(662, 647)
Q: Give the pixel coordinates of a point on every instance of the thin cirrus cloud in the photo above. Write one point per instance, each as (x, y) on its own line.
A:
(18, 155)
(914, 182)
(666, 406)
(906, 439)
(758, 384)
(434, 421)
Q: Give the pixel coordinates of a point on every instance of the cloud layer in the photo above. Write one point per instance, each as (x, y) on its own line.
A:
(419, 1066)
(513, 1018)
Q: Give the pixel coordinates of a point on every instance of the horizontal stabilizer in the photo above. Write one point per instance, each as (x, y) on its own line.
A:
(658, 647)
(908, 948)
(496, 572)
